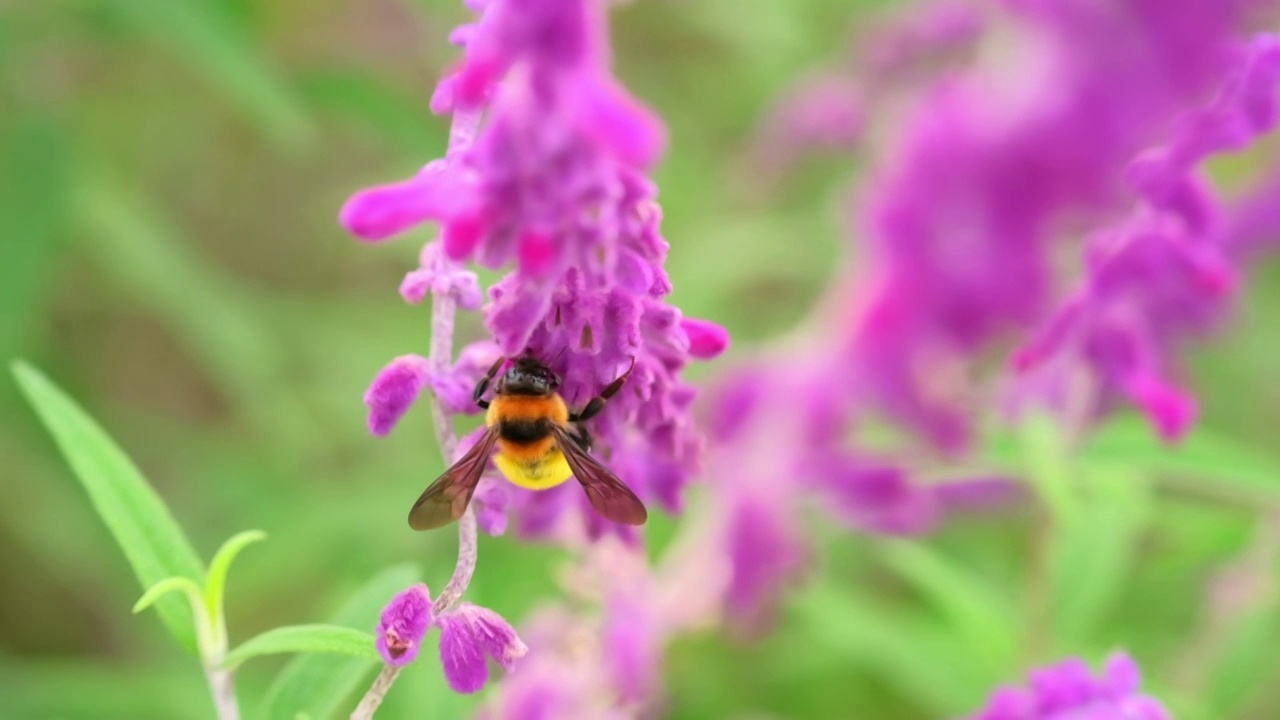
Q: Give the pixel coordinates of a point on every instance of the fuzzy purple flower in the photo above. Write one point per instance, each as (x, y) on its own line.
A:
(1069, 690)
(393, 390)
(966, 203)
(1164, 274)
(404, 622)
(469, 635)
(553, 184)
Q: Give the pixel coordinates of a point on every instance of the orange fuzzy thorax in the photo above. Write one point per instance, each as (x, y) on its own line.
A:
(527, 407)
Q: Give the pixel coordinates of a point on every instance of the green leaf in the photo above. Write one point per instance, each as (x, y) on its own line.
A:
(305, 639)
(1049, 464)
(148, 258)
(1212, 462)
(34, 198)
(217, 579)
(136, 516)
(317, 685)
(1094, 552)
(207, 40)
(386, 112)
(971, 607)
(1248, 662)
(920, 659)
(168, 585)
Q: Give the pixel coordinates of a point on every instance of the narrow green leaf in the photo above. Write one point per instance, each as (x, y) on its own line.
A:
(217, 579)
(168, 585)
(136, 516)
(1093, 553)
(148, 258)
(34, 197)
(922, 660)
(305, 639)
(316, 685)
(384, 111)
(210, 43)
(971, 607)
(1223, 464)
(1248, 662)
(1049, 464)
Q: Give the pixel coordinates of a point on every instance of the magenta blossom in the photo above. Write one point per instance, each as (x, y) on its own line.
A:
(1069, 690)
(1164, 274)
(552, 183)
(404, 622)
(967, 201)
(469, 635)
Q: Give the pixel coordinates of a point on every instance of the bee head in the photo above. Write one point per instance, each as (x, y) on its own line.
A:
(529, 377)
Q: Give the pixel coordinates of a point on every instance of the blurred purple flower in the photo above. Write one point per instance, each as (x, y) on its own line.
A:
(990, 166)
(875, 497)
(766, 550)
(468, 635)
(1164, 274)
(1069, 690)
(404, 622)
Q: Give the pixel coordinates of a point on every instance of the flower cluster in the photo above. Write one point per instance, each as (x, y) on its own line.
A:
(993, 163)
(553, 183)
(1165, 272)
(1069, 690)
(603, 664)
(545, 173)
(469, 635)
(987, 172)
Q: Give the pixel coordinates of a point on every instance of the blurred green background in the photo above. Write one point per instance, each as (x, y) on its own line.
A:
(170, 176)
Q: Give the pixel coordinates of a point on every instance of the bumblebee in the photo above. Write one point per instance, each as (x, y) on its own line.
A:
(540, 444)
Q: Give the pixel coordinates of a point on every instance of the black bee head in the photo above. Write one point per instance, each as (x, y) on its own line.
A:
(528, 377)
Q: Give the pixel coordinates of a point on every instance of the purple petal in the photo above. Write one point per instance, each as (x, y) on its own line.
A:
(379, 212)
(393, 390)
(1171, 410)
(490, 502)
(706, 339)
(461, 654)
(627, 128)
(494, 634)
(404, 622)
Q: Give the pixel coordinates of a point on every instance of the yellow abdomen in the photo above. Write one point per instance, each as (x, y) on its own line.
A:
(541, 473)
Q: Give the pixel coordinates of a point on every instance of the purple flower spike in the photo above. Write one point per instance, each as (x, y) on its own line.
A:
(1069, 690)
(404, 623)
(467, 635)
(393, 390)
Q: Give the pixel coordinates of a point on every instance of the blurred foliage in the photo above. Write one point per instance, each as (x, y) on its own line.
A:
(170, 174)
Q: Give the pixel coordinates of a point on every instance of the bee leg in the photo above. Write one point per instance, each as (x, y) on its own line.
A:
(582, 436)
(483, 385)
(596, 404)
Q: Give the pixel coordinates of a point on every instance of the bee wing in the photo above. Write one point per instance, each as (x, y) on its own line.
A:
(608, 495)
(445, 499)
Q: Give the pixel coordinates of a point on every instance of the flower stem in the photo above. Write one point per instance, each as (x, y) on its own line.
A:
(222, 685)
(372, 699)
(444, 307)
(465, 567)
